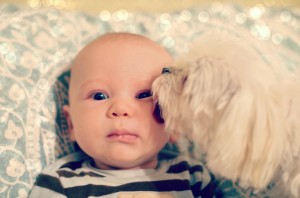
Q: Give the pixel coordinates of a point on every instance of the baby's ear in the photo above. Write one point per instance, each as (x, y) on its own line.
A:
(66, 111)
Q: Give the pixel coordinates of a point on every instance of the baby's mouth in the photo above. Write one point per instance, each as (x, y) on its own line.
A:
(122, 136)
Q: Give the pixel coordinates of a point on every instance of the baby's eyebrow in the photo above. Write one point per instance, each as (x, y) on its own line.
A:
(143, 85)
(147, 82)
(91, 83)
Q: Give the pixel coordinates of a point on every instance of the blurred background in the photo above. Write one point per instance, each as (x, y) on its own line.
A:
(95, 6)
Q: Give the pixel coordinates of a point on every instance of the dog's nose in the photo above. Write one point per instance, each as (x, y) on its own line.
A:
(165, 70)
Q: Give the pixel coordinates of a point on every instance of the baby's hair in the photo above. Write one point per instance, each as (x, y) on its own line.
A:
(126, 36)
(121, 36)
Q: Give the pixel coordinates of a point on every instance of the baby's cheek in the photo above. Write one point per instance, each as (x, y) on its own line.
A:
(157, 114)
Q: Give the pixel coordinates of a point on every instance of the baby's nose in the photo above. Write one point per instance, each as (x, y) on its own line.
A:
(117, 114)
(119, 109)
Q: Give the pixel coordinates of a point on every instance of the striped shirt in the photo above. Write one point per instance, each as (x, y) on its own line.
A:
(76, 176)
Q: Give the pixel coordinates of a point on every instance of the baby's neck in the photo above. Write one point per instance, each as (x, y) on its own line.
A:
(150, 164)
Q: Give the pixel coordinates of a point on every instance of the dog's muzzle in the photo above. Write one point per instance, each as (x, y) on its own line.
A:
(157, 114)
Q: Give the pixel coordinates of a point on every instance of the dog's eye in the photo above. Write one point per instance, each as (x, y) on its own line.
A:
(99, 96)
(165, 70)
(144, 94)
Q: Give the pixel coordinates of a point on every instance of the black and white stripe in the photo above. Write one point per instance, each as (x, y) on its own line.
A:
(75, 179)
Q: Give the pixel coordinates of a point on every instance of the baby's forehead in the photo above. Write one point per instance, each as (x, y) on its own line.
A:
(106, 46)
(118, 43)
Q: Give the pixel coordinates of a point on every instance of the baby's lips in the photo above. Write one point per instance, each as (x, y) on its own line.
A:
(157, 112)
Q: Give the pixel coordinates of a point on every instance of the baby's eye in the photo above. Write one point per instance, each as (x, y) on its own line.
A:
(99, 96)
(144, 94)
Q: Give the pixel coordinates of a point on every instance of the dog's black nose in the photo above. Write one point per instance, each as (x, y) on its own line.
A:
(165, 70)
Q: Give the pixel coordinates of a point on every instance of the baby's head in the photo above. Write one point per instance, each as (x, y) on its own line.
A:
(110, 111)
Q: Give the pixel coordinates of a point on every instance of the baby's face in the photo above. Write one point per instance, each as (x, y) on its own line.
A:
(111, 109)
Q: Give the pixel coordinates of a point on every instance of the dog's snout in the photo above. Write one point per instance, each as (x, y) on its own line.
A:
(165, 70)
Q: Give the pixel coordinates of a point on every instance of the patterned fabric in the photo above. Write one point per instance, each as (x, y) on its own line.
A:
(75, 176)
(37, 47)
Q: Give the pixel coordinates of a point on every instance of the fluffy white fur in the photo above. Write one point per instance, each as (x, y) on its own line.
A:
(240, 105)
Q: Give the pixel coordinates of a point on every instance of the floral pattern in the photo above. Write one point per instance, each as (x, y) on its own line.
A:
(12, 131)
(16, 93)
(15, 168)
(38, 45)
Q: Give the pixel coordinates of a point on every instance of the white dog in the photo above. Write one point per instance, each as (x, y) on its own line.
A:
(240, 105)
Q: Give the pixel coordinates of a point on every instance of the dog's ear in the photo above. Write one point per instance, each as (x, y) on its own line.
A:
(208, 89)
(249, 138)
(236, 120)
(210, 85)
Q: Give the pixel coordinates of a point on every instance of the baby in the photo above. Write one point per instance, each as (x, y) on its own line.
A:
(110, 116)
